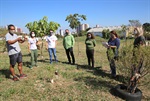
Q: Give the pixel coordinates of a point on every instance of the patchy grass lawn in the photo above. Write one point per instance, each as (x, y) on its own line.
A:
(74, 82)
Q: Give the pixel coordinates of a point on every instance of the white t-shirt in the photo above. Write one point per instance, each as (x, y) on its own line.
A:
(51, 40)
(12, 48)
(32, 42)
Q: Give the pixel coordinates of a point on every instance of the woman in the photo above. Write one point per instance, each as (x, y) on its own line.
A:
(139, 40)
(112, 51)
(90, 44)
(32, 47)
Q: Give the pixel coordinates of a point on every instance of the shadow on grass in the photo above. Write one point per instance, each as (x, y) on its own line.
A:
(99, 72)
(95, 83)
(27, 63)
(26, 55)
(5, 72)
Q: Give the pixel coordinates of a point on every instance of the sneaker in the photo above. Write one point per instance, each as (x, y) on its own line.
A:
(15, 78)
(30, 67)
(23, 75)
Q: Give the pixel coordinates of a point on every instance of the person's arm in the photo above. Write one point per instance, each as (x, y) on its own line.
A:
(21, 41)
(14, 41)
(73, 41)
(94, 43)
(56, 40)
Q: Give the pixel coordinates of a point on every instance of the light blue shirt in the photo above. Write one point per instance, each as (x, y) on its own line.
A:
(12, 48)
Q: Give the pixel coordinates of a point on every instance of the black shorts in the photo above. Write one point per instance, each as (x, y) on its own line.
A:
(15, 58)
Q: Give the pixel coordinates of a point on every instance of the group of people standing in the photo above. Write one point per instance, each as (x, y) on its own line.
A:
(15, 55)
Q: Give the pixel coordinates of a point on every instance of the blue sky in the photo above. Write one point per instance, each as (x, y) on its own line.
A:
(101, 12)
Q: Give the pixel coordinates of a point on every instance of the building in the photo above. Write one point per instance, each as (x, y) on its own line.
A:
(19, 30)
(61, 32)
(82, 27)
(98, 30)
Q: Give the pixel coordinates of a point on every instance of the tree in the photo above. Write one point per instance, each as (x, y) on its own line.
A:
(135, 23)
(105, 33)
(42, 27)
(146, 28)
(133, 64)
(124, 28)
(75, 19)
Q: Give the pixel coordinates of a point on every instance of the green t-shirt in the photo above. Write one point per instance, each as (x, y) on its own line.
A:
(90, 44)
(68, 41)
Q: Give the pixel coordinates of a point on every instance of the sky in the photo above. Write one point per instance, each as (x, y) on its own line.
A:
(98, 12)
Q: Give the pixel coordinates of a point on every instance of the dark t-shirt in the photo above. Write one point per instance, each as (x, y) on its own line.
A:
(139, 40)
(116, 43)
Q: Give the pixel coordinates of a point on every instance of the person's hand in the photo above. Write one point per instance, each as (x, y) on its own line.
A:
(109, 46)
(19, 39)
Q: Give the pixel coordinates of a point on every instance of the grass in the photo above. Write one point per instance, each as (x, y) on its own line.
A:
(75, 82)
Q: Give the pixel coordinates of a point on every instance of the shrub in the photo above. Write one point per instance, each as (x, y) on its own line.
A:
(134, 64)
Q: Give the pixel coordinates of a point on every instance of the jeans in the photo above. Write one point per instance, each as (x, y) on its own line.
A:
(90, 56)
(52, 51)
(34, 55)
(69, 52)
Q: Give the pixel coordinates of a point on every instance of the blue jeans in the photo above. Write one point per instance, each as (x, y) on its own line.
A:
(52, 51)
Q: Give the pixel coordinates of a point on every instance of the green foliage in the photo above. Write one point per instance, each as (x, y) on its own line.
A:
(134, 60)
(75, 19)
(135, 23)
(59, 36)
(105, 33)
(146, 28)
(83, 33)
(3, 32)
(42, 26)
(75, 35)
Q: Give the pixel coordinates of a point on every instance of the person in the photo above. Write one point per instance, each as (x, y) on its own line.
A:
(51, 40)
(90, 44)
(14, 52)
(68, 43)
(139, 41)
(32, 48)
(139, 38)
(112, 51)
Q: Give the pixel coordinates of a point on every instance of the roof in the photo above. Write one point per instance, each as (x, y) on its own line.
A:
(100, 29)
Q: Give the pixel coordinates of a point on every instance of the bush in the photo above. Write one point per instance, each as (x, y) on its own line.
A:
(75, 35)
(134, 63)
(147, 36)
(59, 36)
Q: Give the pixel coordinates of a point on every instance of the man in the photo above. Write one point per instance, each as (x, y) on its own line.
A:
(51, 40)
(14, 51)
(68, 43)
